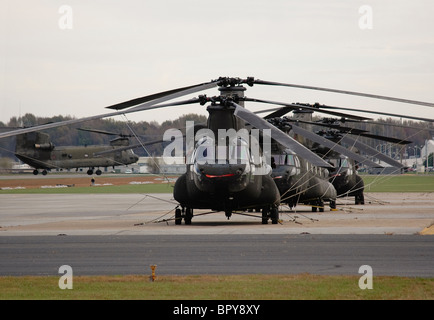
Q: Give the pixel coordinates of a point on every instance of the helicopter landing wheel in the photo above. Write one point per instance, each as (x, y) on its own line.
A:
(228, 213)
(188, 215)
(265, 211)
(90, 172)
(321, 206)
(98, 172)
(359, 199)
(274, 215)
(178, 216)
(332, 204)
(35, 172)
(44, 172)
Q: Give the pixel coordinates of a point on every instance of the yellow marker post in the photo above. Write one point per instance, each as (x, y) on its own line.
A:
(152, 277)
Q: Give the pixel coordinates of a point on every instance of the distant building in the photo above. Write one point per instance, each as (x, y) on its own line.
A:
(158, 165)
(427, 149)
(418, 162)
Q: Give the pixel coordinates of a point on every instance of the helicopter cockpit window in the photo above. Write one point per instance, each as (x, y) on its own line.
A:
(334, 162)
(290, 160)
(284, 159)
(221, 152)
(344, 163)
(207, 152)
(279, 159)
(204, 151)
(239, 151)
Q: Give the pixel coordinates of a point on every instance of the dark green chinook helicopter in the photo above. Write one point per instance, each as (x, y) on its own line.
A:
(297, 180)
(230, 172)
(300, 182)
(37, 150)
(345, 160)
(227, 172)
(344, 175)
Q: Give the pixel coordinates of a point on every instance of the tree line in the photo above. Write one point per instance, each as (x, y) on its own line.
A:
(415, 131)
(71, 135)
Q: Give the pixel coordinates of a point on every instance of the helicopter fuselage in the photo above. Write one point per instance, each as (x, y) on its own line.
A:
(75, 157)
(223, 184)
(346, 179)
(37, 151)
(223, 174)
(300, 182)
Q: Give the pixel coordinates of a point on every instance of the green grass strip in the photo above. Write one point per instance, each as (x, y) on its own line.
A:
(373, 183)
(130, 188)
(399, 183)
(236, 287)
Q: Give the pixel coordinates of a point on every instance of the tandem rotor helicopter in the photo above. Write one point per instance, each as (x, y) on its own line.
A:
(231, 162)
(36, 150)
(343, 176)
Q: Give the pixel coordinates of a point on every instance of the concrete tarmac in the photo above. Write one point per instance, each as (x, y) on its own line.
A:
(152, 214)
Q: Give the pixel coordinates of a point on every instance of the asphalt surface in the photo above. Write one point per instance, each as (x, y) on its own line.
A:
(393, 255)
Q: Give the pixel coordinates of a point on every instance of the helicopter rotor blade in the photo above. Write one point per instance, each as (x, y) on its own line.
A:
(388, 139)
(278, 113)
(332, 145)
(320, 108)
(141, 104)
(279, 136)
(354, 131)
(106, 132)
(98, 131)
(368, 95)
(292, 106)
(375, 112)
(390, 124)
(333, 126)
(133, 146)
(196, 127)
(371, 151)
(164, 95)
(146, 106)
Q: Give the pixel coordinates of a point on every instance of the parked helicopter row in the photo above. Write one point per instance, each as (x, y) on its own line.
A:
(236, 174)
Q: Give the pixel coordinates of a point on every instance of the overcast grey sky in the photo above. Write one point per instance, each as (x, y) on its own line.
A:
(120, 50)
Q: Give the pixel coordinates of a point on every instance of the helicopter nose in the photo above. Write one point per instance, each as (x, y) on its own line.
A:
(212, 178)
(212, 171)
